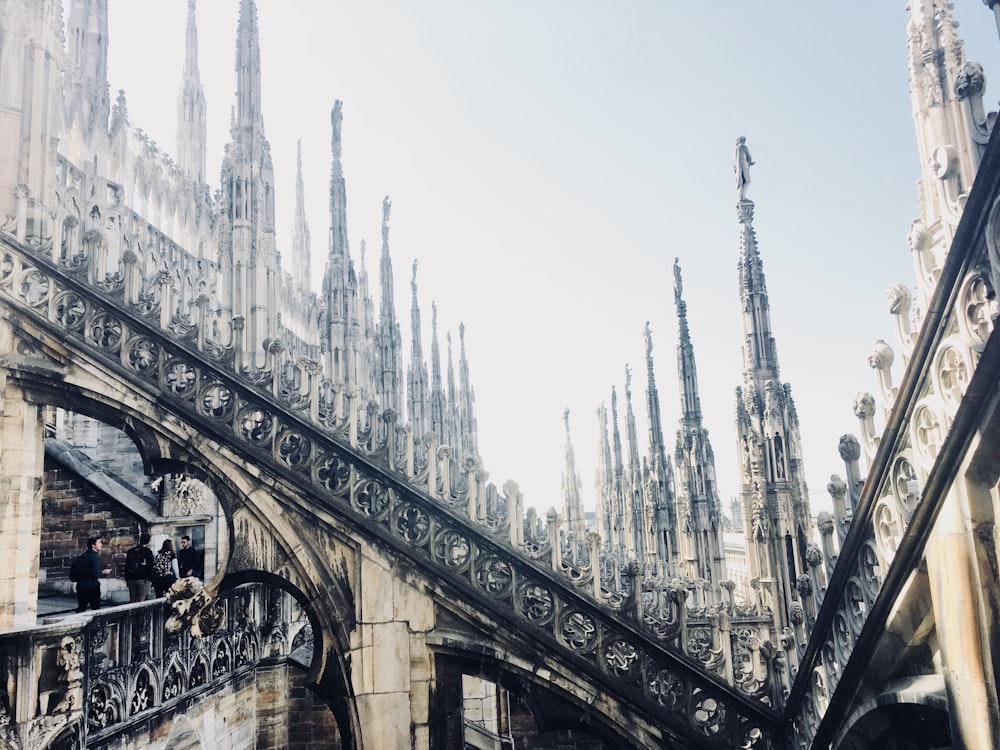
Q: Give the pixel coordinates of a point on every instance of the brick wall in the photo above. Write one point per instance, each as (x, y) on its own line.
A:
(72, 511)
(527, 737)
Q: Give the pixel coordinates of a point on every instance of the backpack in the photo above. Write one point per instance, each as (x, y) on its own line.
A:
(77, 568)
(136, 564)
(161, 566)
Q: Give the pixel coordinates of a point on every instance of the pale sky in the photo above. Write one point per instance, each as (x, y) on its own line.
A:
(548, 159)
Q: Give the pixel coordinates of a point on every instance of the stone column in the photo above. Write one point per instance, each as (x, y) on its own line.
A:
(391, 663)
(962, 622)
(21, 463)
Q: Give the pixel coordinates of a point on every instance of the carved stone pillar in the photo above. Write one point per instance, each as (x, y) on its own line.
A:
(21, 464)
(963, 622)
(392, 666)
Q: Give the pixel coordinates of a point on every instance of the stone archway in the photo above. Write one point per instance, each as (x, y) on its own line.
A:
(911, 715)
(297, 562)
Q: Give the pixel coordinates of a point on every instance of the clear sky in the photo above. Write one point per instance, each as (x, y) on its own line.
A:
(548, 159)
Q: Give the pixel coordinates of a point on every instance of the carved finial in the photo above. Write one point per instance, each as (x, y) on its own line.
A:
(413, 279)
(741, 165)
(386, 206)
(628, 380)
(678, 284)
(566, 419)
(648, 337)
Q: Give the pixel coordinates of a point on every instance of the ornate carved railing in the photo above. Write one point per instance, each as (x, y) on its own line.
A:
(458, 532)
(94, 676)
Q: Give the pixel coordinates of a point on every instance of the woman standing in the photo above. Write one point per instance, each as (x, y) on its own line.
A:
(164, 568)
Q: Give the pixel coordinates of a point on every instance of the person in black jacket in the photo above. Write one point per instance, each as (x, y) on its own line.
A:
(191, 561)
(139, 569)
(88, 587)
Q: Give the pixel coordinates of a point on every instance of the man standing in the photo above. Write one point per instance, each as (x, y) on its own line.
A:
(191, 561)
(139, 569)
(88, 583)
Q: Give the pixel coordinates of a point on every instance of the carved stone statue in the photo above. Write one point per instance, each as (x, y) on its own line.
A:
(742, 164)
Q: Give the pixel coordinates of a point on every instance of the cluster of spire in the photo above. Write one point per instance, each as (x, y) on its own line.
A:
(338, 327)
(666, 514)
(650, 508)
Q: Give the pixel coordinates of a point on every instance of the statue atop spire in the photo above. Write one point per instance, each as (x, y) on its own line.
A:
(386, 206)
(741, 165)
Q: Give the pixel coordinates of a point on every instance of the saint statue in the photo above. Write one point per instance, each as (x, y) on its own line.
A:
(742, 165)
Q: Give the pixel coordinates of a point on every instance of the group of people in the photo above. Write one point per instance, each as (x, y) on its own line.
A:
(142, 568)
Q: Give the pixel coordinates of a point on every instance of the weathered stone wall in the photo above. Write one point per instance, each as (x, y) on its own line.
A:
(110, 447)
(269, 709)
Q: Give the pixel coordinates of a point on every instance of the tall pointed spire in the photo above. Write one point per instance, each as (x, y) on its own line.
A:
(438, 398)
(687, 373)
(87, 45)
(389, 344)
(301, 241)
(603, 484)
(416, 381)
(773, 492)
(759, 352)
(576, 522)
(339, 280)
(338, 189)
(247, 246)
(636, 518)
(661, 478)
(192, 120)
(697, 494)
(467, 401)
(248, 113)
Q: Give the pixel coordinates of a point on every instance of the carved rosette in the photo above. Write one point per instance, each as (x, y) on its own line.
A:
(494, 575)
(927, 430)
(951, 373)
(412, 523)
(869, 570)
(709, 715)
(621, 658)
(668, 689)
(70, 310)
(977, 306)
(577, 630)
(215, 400)
(33, 288)
(372, 498)
(179, 378)
(293, 449)
(142, 354)
(452, 550)
(905, 485)
(888, 523)
(256, 426)
(332, 473)
(535, 603)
